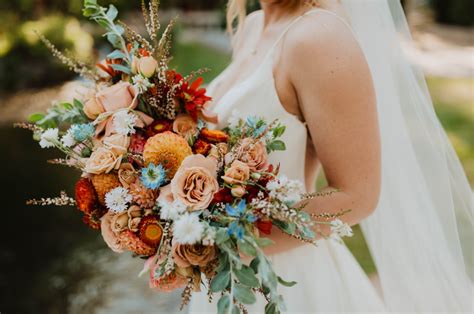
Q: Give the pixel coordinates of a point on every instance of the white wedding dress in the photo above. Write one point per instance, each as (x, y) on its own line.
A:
(329, 279)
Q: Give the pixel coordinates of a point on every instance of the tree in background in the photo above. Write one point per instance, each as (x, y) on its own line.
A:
(459, 12)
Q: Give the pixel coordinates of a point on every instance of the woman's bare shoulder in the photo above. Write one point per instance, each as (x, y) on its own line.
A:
(321, 31)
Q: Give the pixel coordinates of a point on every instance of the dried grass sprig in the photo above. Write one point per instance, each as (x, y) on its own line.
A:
(164, 45)
(187, 293)
(73, 65)
(28, 126)
(329, 216)
(308, 196)
(62, 162)
(62, 200)
(133, 36)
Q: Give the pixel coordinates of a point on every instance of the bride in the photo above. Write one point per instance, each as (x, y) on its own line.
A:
(335, 74)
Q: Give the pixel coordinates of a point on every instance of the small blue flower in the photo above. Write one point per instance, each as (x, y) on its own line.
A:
(257, 125)
(235, 229)
(251, 218)
(82, 132)
(153, 176)
(237, 211)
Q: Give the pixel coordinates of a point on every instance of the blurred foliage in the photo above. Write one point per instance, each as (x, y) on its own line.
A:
(459, 12)
(25, 62)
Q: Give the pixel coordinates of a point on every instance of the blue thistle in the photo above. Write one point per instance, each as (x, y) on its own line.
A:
(82, 132)
(153, 176)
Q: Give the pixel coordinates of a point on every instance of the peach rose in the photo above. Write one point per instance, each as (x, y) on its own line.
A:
(117, 143)
(237, 173)
(118, 96)
(126, 174)
(119, 222)
(185, 126)
(254, 154)
(110, 237)
(186, 255)
(238, 191)
(93, 108)
(146, 66)
(102, 160)
(195, 182)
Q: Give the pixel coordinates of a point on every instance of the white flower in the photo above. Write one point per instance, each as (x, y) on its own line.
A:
(285, 190)
(209, 237)
(142, 84)
(234, 119)
(340, 229)
(117, 199)
(68, 140)
(49, 138)
(124, 122)
(171, 211)
(188, 229)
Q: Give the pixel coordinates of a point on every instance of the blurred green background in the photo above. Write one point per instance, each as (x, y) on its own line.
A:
(50, 261)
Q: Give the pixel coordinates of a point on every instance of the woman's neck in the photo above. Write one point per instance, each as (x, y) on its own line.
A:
(274, 12)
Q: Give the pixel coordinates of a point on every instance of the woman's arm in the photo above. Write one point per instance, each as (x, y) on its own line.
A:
(335, 93)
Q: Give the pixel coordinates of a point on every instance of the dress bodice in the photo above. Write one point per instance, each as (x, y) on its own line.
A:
(257, 96)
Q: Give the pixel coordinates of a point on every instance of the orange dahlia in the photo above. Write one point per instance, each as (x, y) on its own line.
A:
(150, 231)
(130, 241)
(86, 197)
(167, 149)
(103, 183)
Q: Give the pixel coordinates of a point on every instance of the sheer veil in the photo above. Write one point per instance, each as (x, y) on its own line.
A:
(421, 234)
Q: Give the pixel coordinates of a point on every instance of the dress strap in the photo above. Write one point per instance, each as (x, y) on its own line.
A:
(287, 28)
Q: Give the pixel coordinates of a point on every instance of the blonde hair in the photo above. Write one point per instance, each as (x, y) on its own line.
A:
(237, 11)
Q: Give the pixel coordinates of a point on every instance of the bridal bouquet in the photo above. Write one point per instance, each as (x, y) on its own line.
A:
(157, 182)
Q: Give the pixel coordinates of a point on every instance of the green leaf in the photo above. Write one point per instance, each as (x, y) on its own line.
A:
(289, 228)
(277, 145)
(254, 264)
(77, 103)
(221, 236)
(223, 304)
(120, 68)
(286, 283)
(116, 54)
(264, 242)
(235, 309)
(114, 39)
(112, 12)
(244, 294)
(278, 131)
(35, 117)
(271, 308)
(247, 277)
(247, 248)
(223, 262)
(220, 281)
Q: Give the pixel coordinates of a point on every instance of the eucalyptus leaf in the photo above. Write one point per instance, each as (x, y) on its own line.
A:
(254, 264)
(221, 236)
(271, 308)
(223, 304)
(112, 12)
(247, 277)
(235, 309)
(114, 39)
(264, 242)
(116, 54)
(244, 294)
(120, 68)
(286, 283)
(220, 281)
(247, 248)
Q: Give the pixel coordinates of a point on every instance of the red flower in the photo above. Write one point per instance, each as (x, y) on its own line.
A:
(105, 66)
(93, 219)
(158, 126)
(86, 196)
(137, 143)
(223, 196)
(265, 226)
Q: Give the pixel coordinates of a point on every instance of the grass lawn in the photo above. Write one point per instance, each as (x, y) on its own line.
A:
(454, 104)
